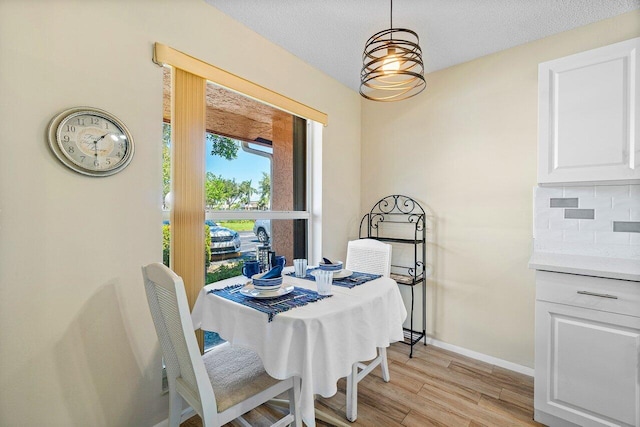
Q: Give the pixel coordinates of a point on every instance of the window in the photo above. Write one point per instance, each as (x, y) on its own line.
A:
(256, 182)
(255, 191)
(259, 161)
(294, 211)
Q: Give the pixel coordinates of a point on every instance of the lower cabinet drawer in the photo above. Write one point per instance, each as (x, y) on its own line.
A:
(597, 293)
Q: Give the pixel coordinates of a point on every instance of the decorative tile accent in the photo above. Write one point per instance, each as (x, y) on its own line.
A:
(563, 202)
(588, 220)
(580, 213)
(626, 226)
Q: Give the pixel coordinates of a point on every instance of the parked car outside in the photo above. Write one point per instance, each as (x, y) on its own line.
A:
(262, 229)
(223, 239)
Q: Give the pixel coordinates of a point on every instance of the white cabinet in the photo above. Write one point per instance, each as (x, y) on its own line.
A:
(587, 359)
(589, 116)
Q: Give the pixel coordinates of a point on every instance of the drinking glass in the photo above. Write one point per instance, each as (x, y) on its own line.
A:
(300, 266)
(324, 279)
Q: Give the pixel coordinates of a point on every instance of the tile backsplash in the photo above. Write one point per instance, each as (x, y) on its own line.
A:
(597, 220)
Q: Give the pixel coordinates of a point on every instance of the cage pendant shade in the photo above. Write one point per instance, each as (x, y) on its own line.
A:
(392, 67)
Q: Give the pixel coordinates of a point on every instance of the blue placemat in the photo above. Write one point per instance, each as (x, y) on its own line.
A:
(356, 279)
(272, 306)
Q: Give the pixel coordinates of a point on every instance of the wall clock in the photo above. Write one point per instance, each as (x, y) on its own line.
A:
(90, 141)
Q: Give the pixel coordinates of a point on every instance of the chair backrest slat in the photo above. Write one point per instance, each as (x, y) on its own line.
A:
(369, 256)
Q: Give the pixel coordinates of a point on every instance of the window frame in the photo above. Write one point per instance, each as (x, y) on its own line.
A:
(313, 209)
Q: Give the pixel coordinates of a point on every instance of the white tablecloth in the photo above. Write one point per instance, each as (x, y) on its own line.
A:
(318, 342)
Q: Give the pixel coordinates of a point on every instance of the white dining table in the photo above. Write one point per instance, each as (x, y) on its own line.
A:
(318, 342)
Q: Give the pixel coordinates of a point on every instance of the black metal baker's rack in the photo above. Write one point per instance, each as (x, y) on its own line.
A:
(398, 219)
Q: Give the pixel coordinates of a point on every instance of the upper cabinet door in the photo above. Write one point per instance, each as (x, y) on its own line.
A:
(588, 116)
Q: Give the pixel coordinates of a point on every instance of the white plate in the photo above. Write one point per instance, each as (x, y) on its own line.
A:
(337, 274)
(252, 292)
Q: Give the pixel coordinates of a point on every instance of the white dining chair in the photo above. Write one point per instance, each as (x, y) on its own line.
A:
(374, 257)
(225, 382)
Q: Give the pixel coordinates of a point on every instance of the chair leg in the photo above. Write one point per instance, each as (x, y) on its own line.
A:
(384, 364)
(294, 402)
(352, 394)
(175, 408)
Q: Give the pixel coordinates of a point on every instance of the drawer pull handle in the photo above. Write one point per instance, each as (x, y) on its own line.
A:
(593, 294)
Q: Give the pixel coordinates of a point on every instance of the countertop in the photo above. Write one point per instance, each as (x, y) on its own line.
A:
(613, 268)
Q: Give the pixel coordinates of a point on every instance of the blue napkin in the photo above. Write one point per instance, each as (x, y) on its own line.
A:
(273, 273)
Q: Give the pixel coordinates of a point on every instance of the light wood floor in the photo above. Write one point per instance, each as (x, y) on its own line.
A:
(434, 388)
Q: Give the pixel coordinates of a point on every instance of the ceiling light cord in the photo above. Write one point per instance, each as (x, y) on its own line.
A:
(391, 15)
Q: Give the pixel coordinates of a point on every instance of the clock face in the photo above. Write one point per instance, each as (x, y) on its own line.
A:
(91, 141)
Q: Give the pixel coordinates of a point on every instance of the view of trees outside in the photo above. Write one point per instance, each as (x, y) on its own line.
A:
(221, 193)
(264, 189)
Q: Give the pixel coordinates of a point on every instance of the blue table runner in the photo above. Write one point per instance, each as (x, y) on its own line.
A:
(271, 306)
(356, 279)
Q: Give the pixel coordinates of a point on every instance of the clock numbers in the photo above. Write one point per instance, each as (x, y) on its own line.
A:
(80, 121)
(95, 121)
(71, 128)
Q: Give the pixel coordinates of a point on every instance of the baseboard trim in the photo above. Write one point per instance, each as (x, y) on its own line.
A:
(186, 414)
(481, 357)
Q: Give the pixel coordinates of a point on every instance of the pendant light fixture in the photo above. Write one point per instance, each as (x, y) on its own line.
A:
(392, 67)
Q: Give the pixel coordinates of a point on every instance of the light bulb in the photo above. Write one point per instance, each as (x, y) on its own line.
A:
(391, 62)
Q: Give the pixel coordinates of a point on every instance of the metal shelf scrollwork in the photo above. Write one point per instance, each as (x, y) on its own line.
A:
(399, 219)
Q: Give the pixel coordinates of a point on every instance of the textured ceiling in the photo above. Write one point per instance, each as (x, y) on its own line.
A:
(331, 34)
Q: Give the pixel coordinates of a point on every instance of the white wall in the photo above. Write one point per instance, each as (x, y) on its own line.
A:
(466, 149)
(77, 346)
